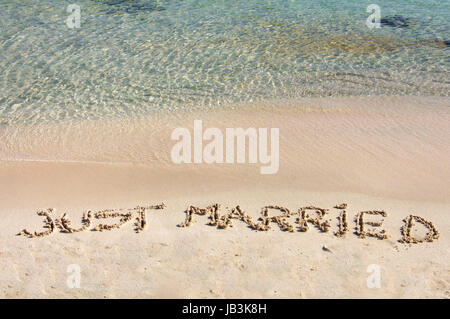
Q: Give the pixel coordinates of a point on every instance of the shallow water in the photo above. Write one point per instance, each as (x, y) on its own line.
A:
(132, 58)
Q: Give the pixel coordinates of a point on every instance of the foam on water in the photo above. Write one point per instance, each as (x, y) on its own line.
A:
(134, 57)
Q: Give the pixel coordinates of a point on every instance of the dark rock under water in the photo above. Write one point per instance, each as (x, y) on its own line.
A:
(396, 21)
(130, 6)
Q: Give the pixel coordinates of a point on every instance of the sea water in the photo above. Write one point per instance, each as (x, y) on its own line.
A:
(132, 58)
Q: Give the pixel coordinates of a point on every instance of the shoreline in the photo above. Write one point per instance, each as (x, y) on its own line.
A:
(363, 145)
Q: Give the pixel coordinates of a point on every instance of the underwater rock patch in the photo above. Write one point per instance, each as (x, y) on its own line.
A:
(396, 21)
(125, 6)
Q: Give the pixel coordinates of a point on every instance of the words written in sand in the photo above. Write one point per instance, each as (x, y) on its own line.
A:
(286, 220)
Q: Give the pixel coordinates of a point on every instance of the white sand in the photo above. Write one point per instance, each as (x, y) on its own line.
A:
(373, 153)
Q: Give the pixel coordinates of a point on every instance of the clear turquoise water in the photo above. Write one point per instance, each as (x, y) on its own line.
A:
(134, 57)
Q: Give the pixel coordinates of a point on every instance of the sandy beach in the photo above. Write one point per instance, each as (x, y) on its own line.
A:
(374, 154)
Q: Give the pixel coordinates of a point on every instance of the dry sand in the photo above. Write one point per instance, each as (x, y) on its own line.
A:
(387, 154)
